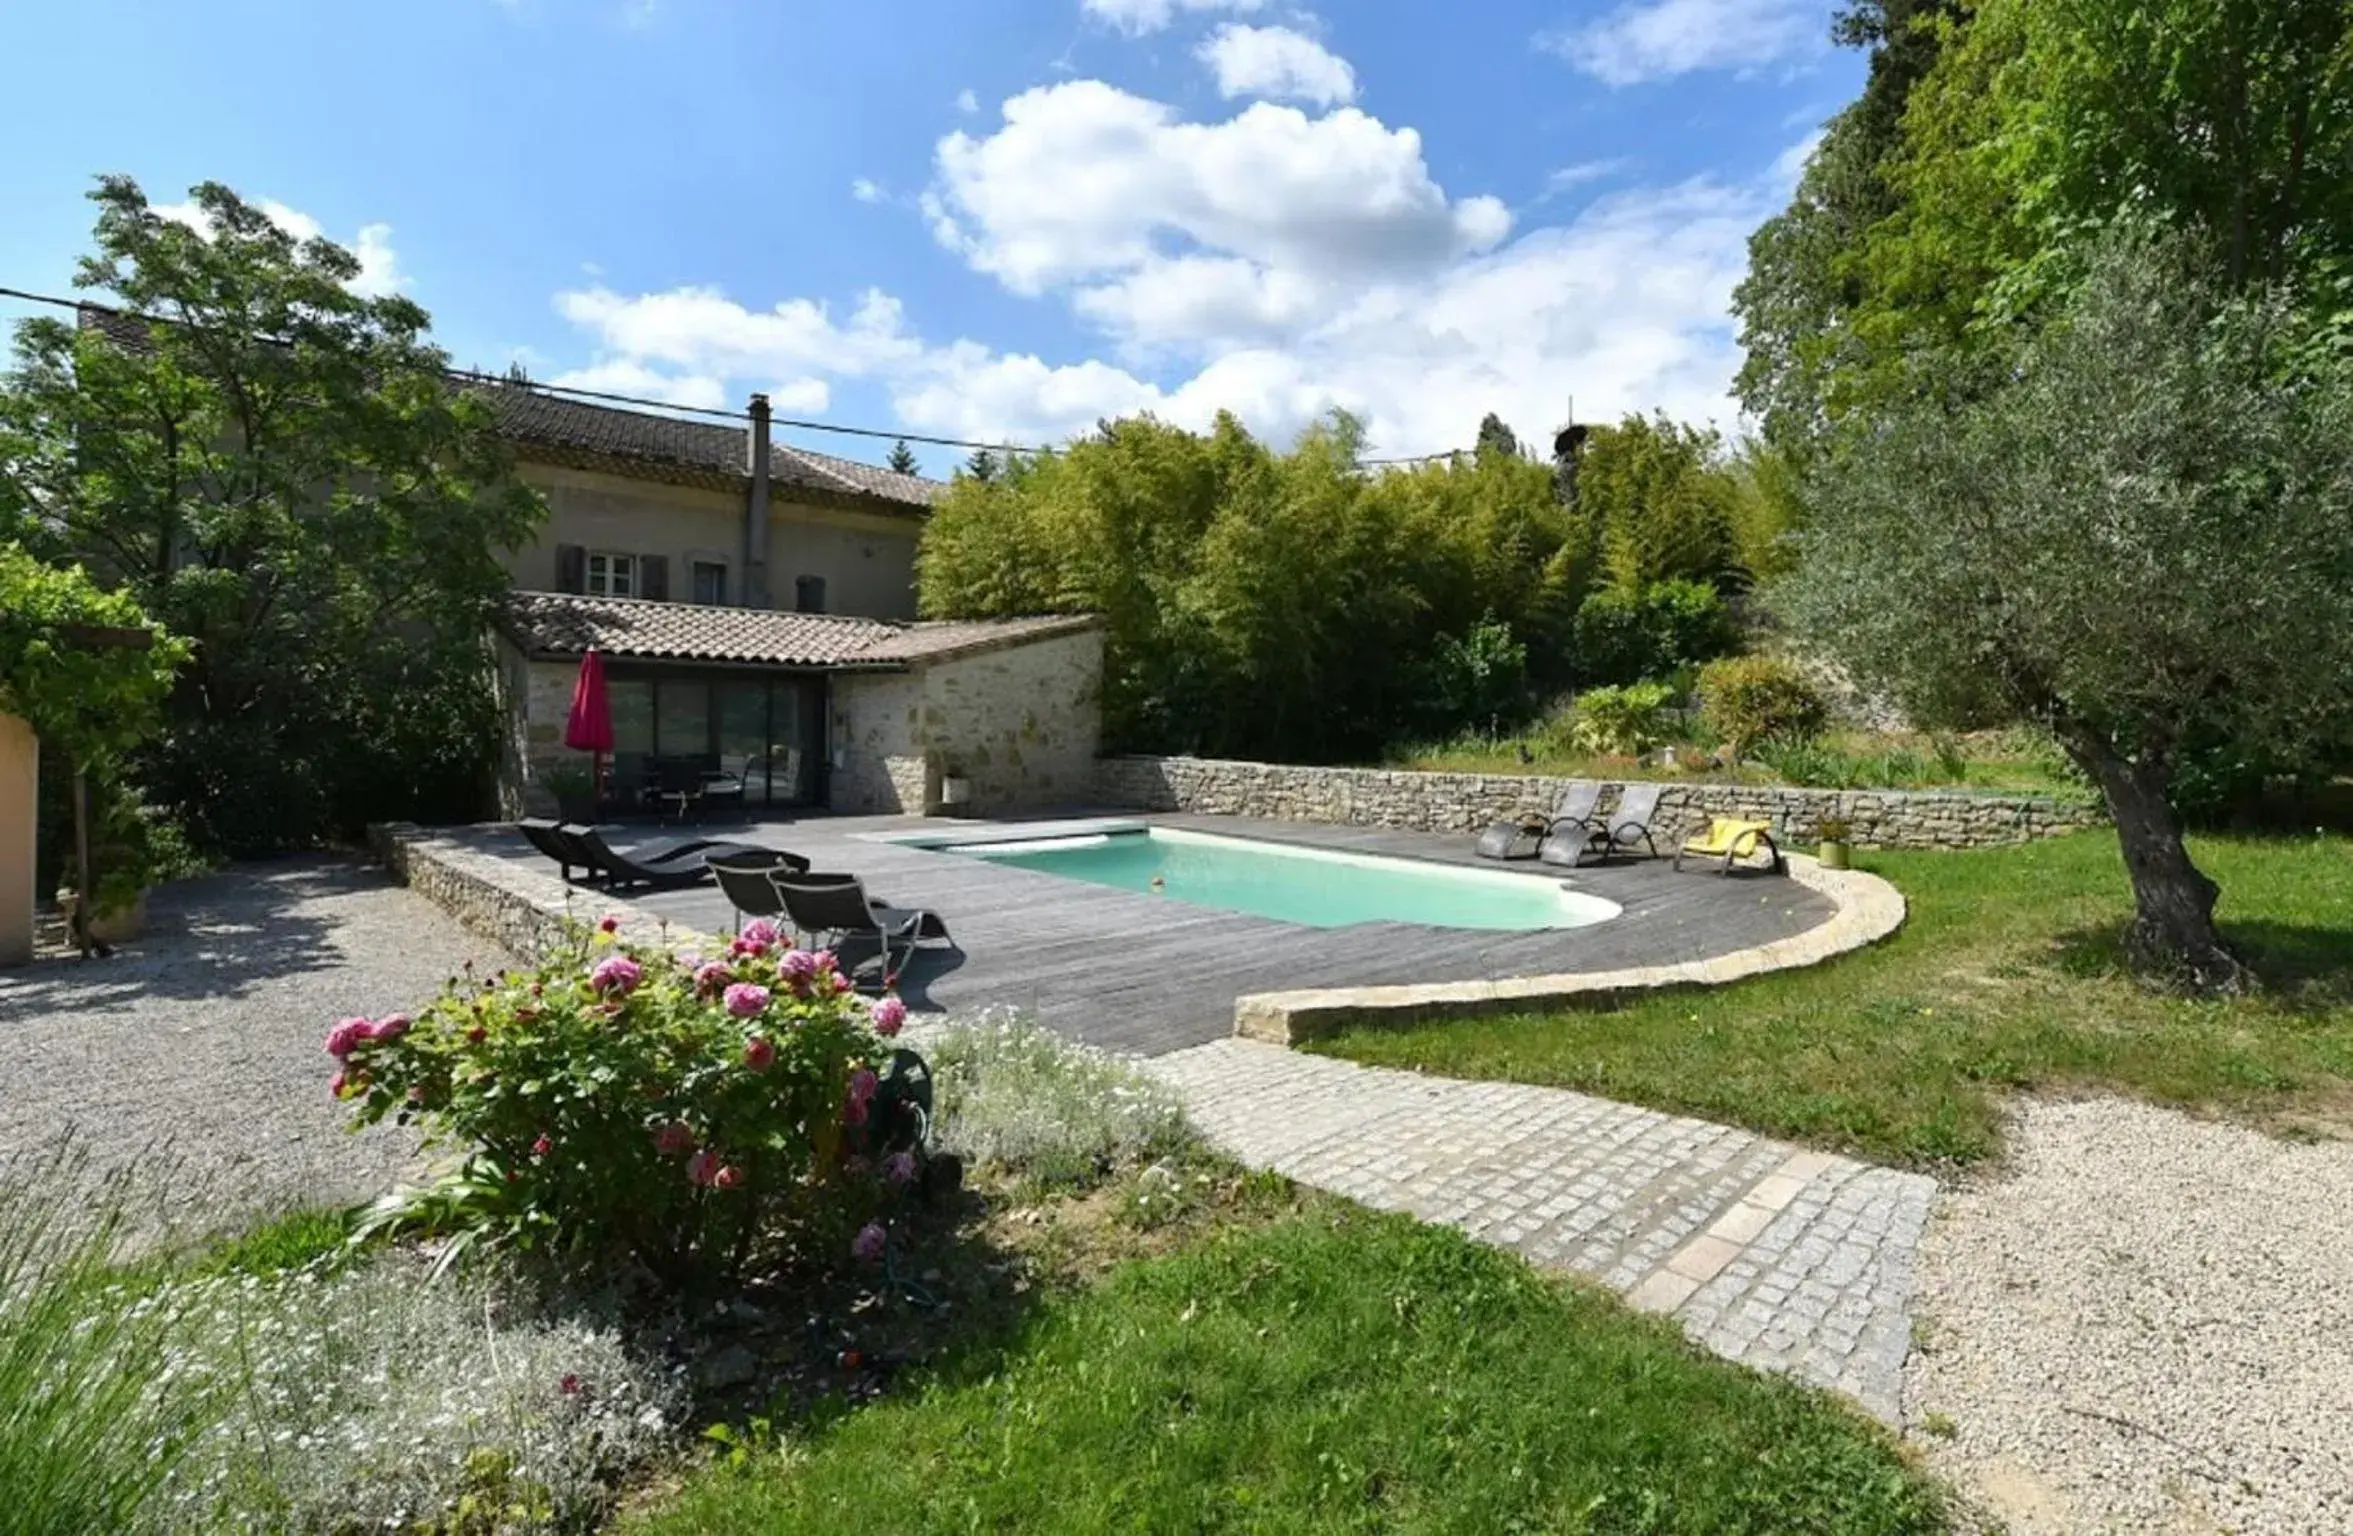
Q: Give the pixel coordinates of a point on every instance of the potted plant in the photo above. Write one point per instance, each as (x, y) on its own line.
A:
(574, 789)
(1836, 851)
(134, 848)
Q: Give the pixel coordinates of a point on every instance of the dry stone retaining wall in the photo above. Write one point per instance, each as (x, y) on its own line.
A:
(1465, 802)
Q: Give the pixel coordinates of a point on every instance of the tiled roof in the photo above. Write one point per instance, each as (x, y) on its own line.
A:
(528, 416)
(565, 624)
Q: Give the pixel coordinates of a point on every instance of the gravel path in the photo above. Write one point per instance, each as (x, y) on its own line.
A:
(2144, 1324)
(197, 1048)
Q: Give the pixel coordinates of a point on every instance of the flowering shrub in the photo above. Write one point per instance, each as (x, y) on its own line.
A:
(681, 1114)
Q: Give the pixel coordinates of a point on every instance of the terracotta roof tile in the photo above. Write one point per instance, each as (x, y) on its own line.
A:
(565, 624)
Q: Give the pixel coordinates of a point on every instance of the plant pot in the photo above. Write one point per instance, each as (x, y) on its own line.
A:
(117, 925)
(1837, 855)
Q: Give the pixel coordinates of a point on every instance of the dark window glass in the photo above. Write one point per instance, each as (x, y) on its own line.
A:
(710, 583)
(809, 594)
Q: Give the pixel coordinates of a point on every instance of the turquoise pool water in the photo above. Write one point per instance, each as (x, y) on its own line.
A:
(1314, 887)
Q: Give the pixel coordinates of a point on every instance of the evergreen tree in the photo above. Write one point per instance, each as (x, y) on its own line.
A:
(982, 466)
(1497, 438)
(902, 459)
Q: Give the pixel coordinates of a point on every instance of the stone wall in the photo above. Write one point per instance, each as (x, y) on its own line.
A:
(1465, 802)
(1020, 722)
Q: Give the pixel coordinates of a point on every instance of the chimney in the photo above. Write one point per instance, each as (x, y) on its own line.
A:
(1568, 454)
(755, 532)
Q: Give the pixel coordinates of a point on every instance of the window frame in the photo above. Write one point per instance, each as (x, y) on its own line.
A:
(603, 564)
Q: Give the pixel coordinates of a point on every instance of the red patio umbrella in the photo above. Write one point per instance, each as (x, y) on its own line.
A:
(590, 726)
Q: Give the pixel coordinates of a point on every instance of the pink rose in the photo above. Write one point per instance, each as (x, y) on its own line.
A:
(797, 966)
(899, 1167)
(759, 931)
(746, 999)
(335, 1085)
(703, 1168)
(727, 1177)
(346, 1034)
(673, 1138)
(890, 1016)
(617, 976)
(841, 983)
(758, 1054)
(608, 924)
(390, 1027)
(542, 1147)
(862, 1085)
(867, 1246)
(710, 978)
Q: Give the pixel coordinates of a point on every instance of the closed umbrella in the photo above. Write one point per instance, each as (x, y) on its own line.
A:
(590, 726)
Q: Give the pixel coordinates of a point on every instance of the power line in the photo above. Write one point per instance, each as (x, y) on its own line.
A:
(724, 413)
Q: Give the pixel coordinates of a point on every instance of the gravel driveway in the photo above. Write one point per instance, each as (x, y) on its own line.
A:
(2145, 1323)
(196, 1049)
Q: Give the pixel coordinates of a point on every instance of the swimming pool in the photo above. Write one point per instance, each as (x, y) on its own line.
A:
(1319, 888)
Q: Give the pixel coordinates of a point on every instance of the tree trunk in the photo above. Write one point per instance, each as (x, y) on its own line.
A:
(2173, 932)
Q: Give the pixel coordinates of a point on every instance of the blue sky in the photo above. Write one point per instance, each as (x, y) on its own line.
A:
(985, 218)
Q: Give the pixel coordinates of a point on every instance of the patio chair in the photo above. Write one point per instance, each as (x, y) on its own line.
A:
(744, 878)
(548, 838)
(830, 910)
(1729, 841)
(1638, 807)
(1526, 838)
(686, 864)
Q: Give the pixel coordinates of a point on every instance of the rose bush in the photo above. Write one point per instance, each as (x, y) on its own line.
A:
(689, 1116)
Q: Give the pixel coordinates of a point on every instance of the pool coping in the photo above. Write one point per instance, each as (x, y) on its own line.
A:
(1868, 909)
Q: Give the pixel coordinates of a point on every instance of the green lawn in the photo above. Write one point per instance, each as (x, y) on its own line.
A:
(1331, 1371)
(2005, 978)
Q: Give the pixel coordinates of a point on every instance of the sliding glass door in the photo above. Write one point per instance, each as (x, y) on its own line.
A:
(763, 729)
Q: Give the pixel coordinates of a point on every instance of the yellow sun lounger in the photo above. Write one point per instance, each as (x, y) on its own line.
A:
(1730, 841)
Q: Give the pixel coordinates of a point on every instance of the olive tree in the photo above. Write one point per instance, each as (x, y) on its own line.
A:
(2136, 528)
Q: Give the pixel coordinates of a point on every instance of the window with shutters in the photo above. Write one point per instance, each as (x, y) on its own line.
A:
(710, 583)
(611, 575)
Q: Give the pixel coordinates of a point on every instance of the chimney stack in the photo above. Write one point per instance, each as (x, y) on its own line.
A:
(755, 533)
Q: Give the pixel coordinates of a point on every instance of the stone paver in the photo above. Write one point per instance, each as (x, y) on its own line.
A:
(1775, 1257)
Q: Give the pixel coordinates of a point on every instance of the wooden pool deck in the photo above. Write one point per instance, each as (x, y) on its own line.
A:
(1145, 974)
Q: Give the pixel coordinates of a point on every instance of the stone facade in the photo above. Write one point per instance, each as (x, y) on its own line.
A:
(1020, 723)
(1465, 802)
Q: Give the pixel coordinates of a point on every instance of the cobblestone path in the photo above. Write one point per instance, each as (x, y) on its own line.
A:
(1770, 1255)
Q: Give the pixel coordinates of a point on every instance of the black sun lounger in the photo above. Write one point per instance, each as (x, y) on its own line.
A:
(685, 864)
(1528, 837)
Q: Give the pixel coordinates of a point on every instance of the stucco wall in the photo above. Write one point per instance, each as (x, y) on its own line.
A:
(20, 755)
(1465, 802)
(1021, 722)
(867, 560)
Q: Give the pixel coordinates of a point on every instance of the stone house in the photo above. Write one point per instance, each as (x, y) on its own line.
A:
(754, 603)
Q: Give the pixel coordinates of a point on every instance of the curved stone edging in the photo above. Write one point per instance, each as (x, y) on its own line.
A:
(1869, 909)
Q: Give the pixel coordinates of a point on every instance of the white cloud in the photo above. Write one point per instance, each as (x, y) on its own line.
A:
(800, 397)
(1656, 39)
(1087, 181)
(866, 191)
(629, 376)
(1277, 63)
(379, 263)
(967, 102)
(1570, 177)
(1137, 17)
(702, 331)
(1791, 163)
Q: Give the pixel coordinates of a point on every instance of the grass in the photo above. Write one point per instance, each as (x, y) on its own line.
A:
(2006, 978)
(1325, 1370)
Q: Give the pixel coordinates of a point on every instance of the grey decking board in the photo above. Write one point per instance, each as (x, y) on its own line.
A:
(1149, 974)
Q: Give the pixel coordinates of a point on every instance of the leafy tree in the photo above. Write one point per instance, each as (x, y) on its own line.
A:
(1272, 604)
(1496, 437)
(1802, 287)
(1659, 507)
(277, 468)
(1625, 637)
(902, 460)
(2134, 529)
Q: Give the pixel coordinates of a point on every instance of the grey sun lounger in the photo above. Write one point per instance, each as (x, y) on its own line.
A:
(1629, 823)
(685, 864)
(1531, 836)
(833, 909)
